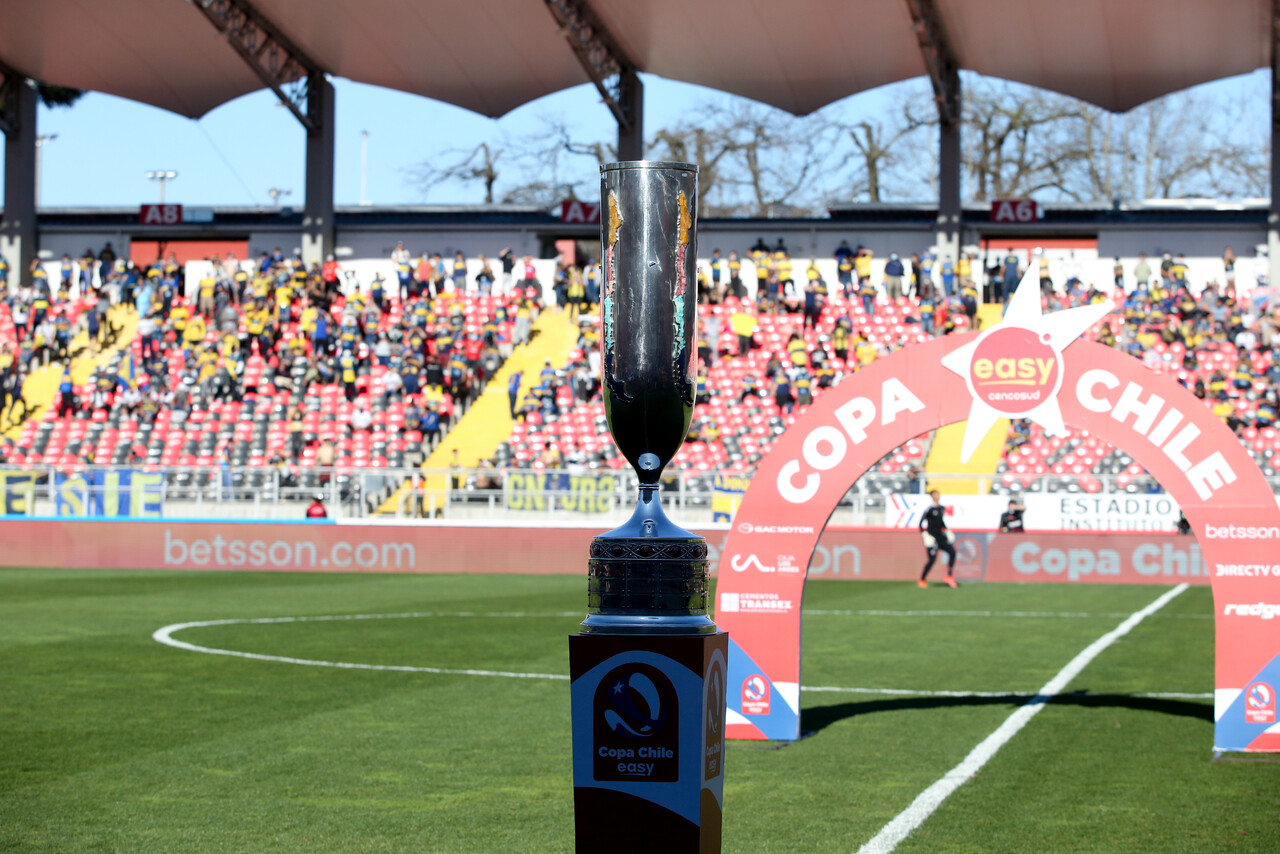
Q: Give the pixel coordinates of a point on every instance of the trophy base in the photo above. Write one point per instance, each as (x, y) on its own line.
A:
(648, 585)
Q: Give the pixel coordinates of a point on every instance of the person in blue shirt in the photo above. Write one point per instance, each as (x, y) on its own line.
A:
(1010, 275)
(893, 273)
(93, 322)
(927, 307)
(430, 426)
(62, 334)
(66, 394)
(948, 277)
(320, 335)
(513, 390)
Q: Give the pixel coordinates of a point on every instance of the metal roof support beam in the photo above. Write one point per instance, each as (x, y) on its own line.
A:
(18, 233)
(10, 81)
(1273, 215)
(944, 74)
(300, 84)
(631, 137)
(610, 69)
(277, 61)
(317, 217)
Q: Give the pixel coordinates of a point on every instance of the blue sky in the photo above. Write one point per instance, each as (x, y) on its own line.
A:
(233, 155)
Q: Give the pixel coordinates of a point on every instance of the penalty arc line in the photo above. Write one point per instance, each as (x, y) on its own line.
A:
(928, 801)
(165, 636)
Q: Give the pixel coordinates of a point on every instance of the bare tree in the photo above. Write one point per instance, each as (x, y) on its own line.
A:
(1013, 145)
(883, 156)
(479, 165)
(1022, 142)
(1017, 142)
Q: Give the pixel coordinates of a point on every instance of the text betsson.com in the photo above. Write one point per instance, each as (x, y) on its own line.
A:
(236, 553)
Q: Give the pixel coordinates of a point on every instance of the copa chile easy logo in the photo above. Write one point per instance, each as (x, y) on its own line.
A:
(635, 726)
(713, 701)
(755, 695)
(1260, 704)
(1014, 370)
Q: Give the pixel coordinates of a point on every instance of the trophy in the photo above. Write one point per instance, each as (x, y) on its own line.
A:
(648, 667)
(649, 575)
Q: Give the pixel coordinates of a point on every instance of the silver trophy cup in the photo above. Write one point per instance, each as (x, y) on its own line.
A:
(649, 575)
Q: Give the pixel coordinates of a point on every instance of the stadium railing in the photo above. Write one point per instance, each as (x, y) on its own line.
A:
(536, 496)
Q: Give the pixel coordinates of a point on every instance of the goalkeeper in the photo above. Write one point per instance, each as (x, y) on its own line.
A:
(933, 528)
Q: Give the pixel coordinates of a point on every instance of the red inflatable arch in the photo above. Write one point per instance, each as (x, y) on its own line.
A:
(1027, 366)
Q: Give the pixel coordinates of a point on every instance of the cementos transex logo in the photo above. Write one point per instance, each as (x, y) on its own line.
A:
(1014, 369)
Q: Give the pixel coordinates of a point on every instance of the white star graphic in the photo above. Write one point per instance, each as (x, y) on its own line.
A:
(1056, 330)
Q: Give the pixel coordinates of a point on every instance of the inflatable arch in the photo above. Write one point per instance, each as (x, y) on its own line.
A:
(1028, 366)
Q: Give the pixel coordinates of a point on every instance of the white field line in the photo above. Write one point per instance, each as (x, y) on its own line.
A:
(910, 692)
(1035, 615)
(165, 634)
(931, 798)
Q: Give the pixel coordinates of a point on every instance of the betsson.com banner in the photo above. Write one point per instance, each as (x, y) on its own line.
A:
(842, 553)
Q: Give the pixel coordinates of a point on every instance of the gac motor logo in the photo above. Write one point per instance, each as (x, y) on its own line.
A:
(748, 528)
(1014, 370)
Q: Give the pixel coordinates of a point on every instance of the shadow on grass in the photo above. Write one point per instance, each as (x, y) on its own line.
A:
(816, 718)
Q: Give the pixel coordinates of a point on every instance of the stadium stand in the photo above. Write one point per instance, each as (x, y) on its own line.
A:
(304, 377)
(273, 366)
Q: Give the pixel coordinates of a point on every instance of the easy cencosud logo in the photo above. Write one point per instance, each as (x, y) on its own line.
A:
(1014, 370)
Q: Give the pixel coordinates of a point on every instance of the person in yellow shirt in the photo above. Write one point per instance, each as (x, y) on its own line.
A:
(230, 346)
(797, 351)
(840, 341)
(207, 287)
(782, 264)
(194, 332)
(307, 322)
(178, 316)
(348, 365)
(862, 264)
(284, 298)
(760, 257)
(866, 352)
(255, 323)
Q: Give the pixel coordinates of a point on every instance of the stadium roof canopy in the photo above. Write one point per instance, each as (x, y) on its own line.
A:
(491, 56)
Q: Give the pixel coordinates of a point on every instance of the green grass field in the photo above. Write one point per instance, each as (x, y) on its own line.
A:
(110, 741)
